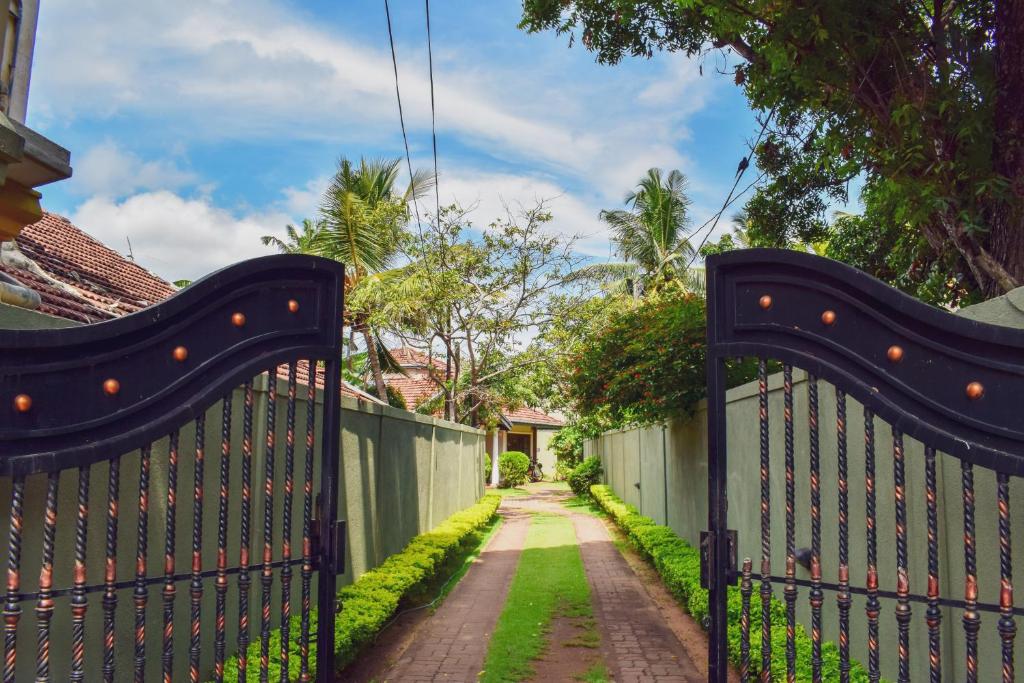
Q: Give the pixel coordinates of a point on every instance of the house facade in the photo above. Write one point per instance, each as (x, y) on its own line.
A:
(524, 429)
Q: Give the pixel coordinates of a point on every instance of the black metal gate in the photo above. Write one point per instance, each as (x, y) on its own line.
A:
(133, 397)
(950, 388)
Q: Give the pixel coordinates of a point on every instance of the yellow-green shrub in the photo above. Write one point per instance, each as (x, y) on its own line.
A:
(678, 564)
(369, 602)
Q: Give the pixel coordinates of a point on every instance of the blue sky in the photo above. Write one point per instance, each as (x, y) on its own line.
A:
(196, 127)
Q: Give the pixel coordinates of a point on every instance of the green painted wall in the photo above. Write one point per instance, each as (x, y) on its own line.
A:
(402, 474)
(673, 458)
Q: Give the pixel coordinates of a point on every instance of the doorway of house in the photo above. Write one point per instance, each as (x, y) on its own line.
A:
(519, 442)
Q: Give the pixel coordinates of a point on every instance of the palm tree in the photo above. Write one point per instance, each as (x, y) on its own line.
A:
(296, 242)
(652, 233)
(363, 219)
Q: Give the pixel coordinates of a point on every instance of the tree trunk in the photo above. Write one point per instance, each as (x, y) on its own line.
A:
(1006, 237)
(371, 355)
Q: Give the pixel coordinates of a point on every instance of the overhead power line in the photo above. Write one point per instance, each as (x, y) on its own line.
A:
(401, 118)
(433, 117)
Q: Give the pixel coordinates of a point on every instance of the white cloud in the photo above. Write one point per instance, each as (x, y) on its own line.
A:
(255, 70)
(178, 237)
(305, 201)
(109, 171)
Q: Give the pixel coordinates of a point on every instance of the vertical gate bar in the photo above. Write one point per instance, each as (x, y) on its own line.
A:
(141, 548)
(902, 571)
(746, 588)
(196, 584)
(110, 568)
(933, 615)
(971, 618)
(790, 590)
(816, 597)
(307, 516)
(243, 549)
(79, 603)
(766, 524)
(843, 600)
(1007, 627)
(44, 607)
(267, 574)
(872, 607)
(286, 531)
(169, 543)
(12, 609)
(718, 513)
(331, 457)
(221, 588)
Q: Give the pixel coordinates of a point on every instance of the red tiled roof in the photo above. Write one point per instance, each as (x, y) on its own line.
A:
(101, 283)
(411, 358)
(415, 390)
(532, 416)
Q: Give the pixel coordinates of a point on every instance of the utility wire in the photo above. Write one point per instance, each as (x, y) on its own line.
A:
(713, 221)
(433, 117)
(401, 120)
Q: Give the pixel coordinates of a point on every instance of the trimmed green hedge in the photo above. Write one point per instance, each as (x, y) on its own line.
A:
(678, 563)
(368, 604)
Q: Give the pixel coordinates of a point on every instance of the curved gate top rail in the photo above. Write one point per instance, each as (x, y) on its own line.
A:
(940, 378)
(73, 396)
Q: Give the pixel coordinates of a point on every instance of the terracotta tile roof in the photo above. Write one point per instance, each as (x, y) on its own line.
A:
(532, 416)
(415, 390)
(85, 281)
(101, 282)
(411, 358)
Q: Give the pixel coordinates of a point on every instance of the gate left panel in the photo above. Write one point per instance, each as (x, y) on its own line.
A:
(160, 481)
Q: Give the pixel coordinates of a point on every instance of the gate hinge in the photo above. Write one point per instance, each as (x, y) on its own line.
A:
(732, 567)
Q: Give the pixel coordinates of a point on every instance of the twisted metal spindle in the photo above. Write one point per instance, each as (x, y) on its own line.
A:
(12, 608)
(196, 584)
(971, 617)
(44, 606)
(790, 591)
(140, 594)
(872, 607)
(843, 600)
(307, 517)
(816, 597)
(1007, 627)
(221, 585)
(933, 615)
(110, 568)
(286, 531)
(746, 588)
(244, 579)
(766, 525)
(79, 603)
(902, 570)
(169, 543)
(267, 574)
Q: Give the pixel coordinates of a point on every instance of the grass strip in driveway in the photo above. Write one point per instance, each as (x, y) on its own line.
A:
(549, 582)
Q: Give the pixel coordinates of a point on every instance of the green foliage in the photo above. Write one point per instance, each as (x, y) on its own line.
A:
(513, 467)
(678, 563)
(368, 604)
(585, 475)
(567, 444)
(647, 364)
(487, 467)
(923, 99)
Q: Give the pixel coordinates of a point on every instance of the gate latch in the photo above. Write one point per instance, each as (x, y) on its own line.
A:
(338, 528)
(732, 566)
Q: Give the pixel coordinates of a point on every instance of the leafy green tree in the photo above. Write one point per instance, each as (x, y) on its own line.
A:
(363, 219)
(296, 242)
(651, 234)
(924, 97)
